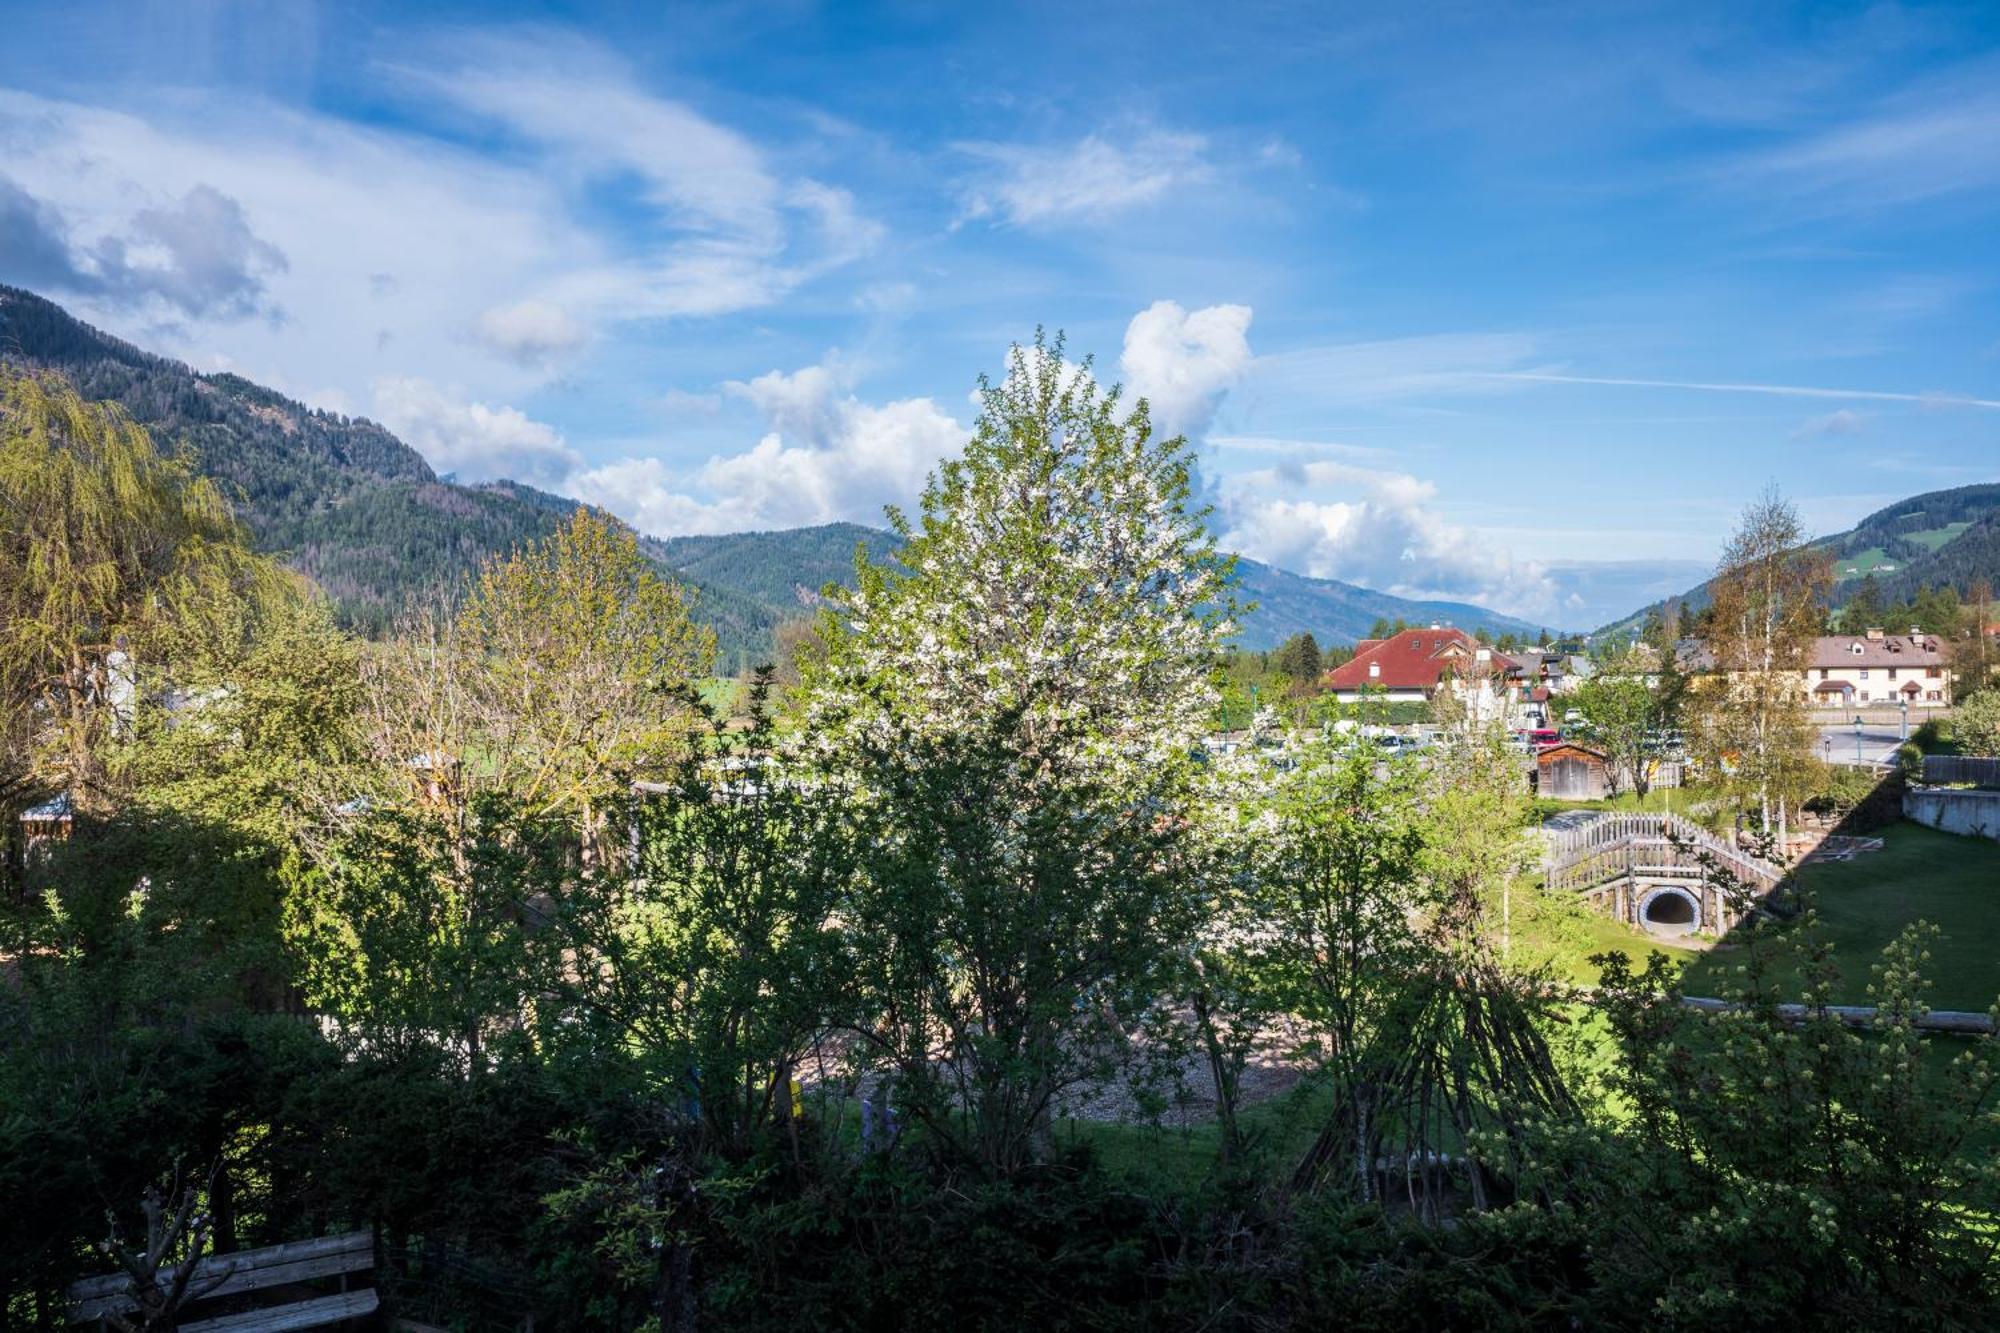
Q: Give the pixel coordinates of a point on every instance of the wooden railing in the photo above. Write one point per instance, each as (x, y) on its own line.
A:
(1614, 847)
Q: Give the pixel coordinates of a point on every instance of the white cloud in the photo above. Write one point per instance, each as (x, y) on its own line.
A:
(530, 332)
(1376, 528)
(475, 259)
(469, 439)
(1843, 421)
(1090, 180)
(385, 233)
(1182, 362)
(827, 457)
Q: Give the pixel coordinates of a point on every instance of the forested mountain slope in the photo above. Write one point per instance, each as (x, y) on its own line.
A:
(1336, 612)
(339, 497)
(345, 501)
(1938, 539)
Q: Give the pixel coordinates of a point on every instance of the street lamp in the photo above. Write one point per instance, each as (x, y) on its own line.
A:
(1826, 748)
(1904, 702)
(1857, 738)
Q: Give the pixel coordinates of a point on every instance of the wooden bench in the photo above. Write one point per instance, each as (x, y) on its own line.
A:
(220, 1276)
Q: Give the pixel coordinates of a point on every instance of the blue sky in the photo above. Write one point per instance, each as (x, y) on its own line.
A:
(1512, 304)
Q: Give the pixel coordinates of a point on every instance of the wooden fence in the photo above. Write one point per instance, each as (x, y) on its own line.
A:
(1958, 768)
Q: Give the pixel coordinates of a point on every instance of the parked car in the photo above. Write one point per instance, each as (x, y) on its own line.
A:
(1544, 737)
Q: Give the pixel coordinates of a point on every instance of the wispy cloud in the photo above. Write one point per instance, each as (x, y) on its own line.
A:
(1936, 139)
(1933, 399)
(727, 229)
(1396, 368)
(1092, 179)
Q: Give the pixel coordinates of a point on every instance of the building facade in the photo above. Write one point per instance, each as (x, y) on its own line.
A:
(1416, 665)
(1850, 670)
(1862, 670)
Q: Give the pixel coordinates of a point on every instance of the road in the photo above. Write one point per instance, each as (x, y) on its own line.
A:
(1878, 743)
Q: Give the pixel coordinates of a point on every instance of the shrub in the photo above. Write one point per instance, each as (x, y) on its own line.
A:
(1976, 725)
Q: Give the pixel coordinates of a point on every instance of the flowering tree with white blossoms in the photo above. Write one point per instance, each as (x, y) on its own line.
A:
(1017, 699)
(1056, 568)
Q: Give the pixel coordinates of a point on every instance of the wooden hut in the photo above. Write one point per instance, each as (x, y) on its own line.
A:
(1572, 772)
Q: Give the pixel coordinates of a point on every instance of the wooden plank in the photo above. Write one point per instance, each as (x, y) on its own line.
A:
(236, 1282)
(241, 1270)
(282, 1318)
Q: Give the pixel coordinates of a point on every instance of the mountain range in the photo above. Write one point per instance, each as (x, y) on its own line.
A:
(344, 501)
(1939, 538)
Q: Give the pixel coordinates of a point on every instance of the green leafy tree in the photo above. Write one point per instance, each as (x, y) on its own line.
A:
(559, 682)
(574, 649)
(1017, 705)
(1622, 717)
(261, 738)
(1369, 924)
(112, 556)
(1863, 610)
(409, 925)
(713, 963)
(1768, 1168)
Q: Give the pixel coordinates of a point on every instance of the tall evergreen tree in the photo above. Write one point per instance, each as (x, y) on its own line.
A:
(1299, 658)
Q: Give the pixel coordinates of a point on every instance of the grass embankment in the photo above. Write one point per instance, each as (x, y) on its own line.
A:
(1950, 881)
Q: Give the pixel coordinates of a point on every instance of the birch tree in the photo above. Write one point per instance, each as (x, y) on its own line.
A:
(1766, 608)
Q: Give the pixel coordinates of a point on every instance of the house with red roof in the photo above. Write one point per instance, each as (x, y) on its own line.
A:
(1416, 664)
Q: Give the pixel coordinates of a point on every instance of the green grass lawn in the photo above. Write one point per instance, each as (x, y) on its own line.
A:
(1933, 538)
(1953, 882)
(1920, 874)
(1861, 562)
(1565, 935)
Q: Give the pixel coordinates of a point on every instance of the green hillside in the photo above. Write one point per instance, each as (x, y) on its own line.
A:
(1941, 538)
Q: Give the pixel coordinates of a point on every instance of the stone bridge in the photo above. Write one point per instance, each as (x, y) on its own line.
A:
(1658, 872)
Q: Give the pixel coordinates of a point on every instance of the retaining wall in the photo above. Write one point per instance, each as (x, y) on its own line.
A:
(1976, 813)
